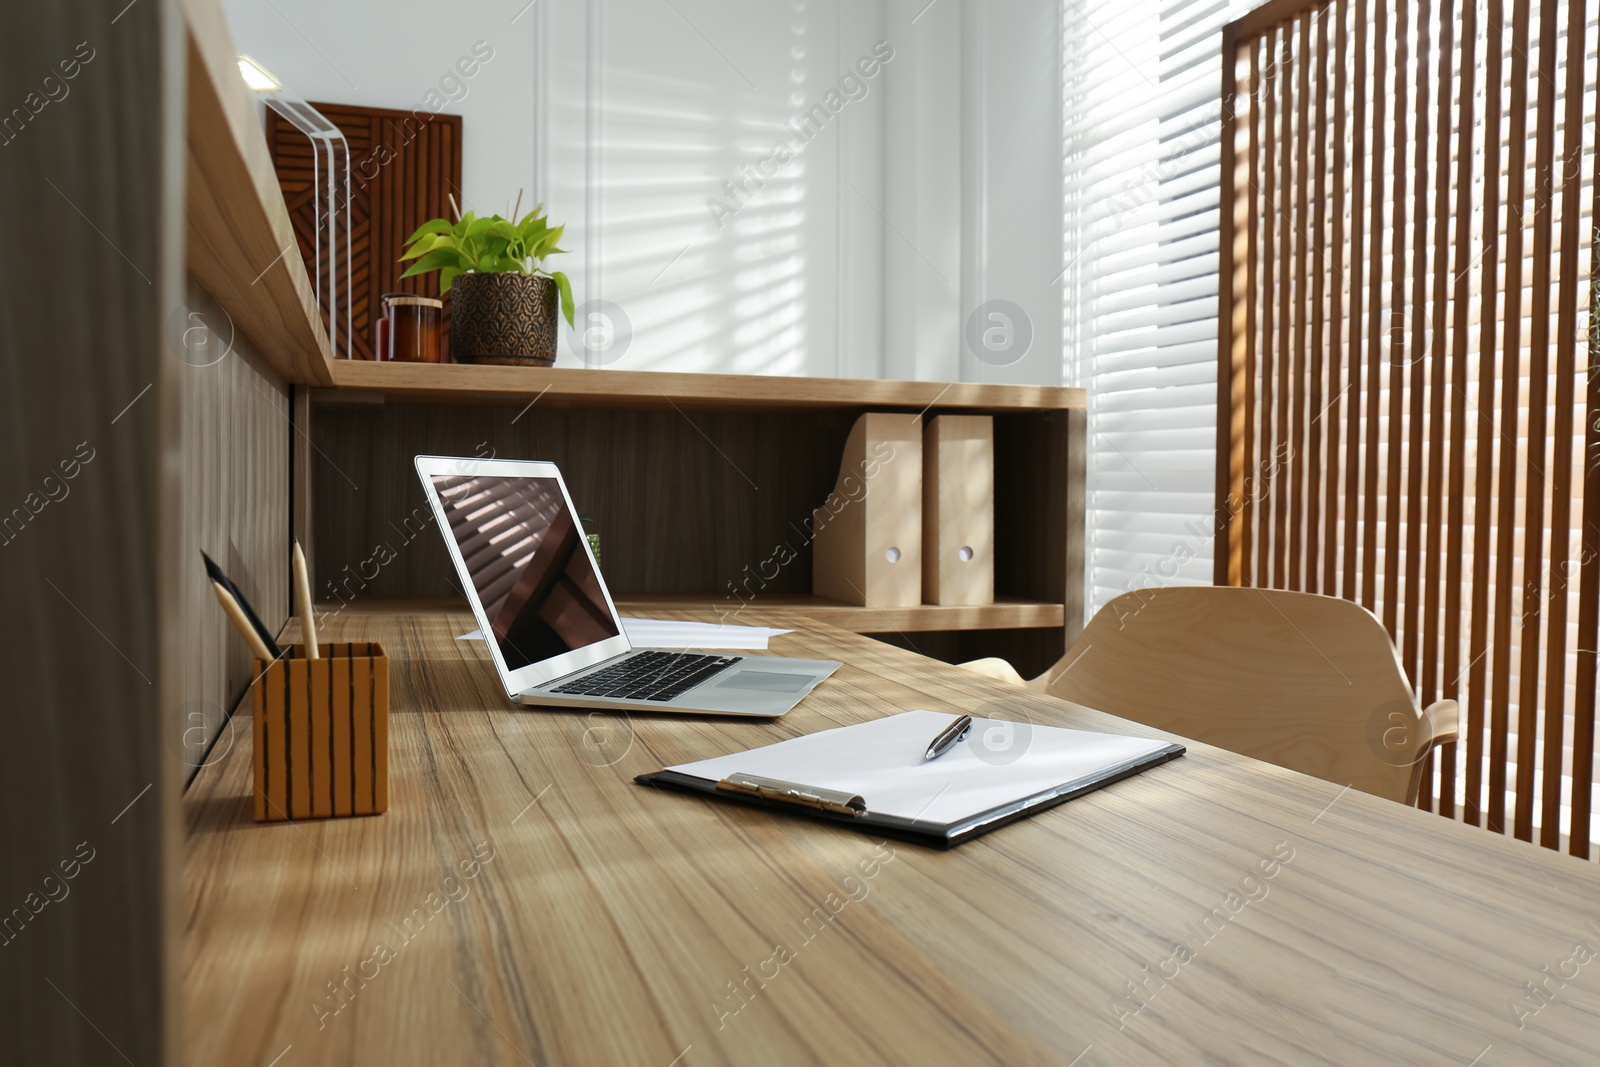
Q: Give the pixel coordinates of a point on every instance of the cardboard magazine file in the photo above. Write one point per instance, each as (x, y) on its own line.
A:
(958, 510)
(868, 535)
(322, 733)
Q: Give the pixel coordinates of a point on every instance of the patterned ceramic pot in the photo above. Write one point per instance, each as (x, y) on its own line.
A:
(504, 319)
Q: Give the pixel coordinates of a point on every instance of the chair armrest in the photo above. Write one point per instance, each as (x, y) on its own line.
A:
(1441, 722)
(995, 668)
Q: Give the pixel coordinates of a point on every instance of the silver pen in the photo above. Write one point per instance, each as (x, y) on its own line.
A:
(948, 737)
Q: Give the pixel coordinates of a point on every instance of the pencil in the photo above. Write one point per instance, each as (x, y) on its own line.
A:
(268, 642)
(242, 623)
(302, 593)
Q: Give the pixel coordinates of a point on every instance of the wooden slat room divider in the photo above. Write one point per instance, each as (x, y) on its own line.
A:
(404, 165)
(1405, 401)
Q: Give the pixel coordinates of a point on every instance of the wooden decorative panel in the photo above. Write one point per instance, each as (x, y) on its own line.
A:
(403, 168)
(236, 444)
(1406, 393)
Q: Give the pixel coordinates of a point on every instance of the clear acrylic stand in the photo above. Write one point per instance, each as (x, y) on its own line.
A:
(330, 162)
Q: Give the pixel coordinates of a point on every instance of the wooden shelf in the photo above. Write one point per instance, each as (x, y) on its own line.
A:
(1005, 614)
(241, 247)
(360, 381)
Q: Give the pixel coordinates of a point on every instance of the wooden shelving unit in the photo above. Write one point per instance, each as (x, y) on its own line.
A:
(700, 485)
(696, 481)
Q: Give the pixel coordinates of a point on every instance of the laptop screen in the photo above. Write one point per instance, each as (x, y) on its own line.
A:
(528, 562)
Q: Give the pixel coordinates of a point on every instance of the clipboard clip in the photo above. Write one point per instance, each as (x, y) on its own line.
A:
(834, 800)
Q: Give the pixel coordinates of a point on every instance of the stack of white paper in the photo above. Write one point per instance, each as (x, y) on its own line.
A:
(673, 633)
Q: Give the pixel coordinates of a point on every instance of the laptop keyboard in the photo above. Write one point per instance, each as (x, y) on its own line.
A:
(649, 676)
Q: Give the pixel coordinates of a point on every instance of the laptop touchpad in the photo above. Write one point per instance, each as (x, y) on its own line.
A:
(765, 682)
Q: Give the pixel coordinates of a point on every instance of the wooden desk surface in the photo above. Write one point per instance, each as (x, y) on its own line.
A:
(615, 925)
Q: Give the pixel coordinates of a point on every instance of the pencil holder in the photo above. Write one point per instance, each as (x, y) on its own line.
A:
(322, 733)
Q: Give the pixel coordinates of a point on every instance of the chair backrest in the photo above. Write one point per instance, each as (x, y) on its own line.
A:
(1307, 682)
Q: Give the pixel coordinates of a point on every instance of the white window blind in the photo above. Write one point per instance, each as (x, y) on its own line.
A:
(1142, 94)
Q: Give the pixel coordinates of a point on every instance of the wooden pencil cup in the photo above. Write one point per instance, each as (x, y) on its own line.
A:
(322, 733)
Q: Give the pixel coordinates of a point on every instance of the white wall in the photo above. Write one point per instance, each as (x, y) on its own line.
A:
(391, 53)
(924, 190)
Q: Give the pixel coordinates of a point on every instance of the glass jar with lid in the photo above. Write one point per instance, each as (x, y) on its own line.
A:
(412, 331)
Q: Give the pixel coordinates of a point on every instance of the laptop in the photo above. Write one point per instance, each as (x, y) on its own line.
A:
(548, 618)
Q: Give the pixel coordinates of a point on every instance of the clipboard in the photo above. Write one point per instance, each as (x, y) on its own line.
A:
(871, 754)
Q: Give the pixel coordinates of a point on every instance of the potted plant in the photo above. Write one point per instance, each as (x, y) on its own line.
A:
(504, 308)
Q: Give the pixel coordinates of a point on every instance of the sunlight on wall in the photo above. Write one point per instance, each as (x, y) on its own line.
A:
(702, 226)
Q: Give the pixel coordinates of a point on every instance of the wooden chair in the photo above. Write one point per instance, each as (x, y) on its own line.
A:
(1307, 682)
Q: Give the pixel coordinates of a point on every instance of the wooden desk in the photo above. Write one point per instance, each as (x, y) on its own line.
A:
(614, 925)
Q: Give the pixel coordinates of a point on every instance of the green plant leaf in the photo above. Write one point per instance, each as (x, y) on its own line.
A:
(531, 228)
(566, 296)
(434, 260)
(479, 227)
(432, 226)
(427, 244)
(447, 276)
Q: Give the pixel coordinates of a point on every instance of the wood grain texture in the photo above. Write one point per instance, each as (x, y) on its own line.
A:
(1394, 492)
(1478, 647)
(604, 923)
(561, 386)
(1372, 221)
(1269, 351)
(1300, 383)
(1358, 202)
(1317, 424)
(1462, 122)
(235, 509)
(238, 228)
(1341, 290)
(1586, 676)
(1507, 562)
(391, 152)
(90, 269)
(1277, 500)
(1233, 303)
